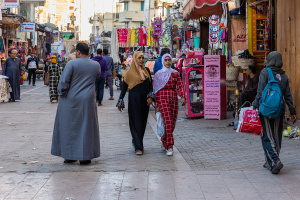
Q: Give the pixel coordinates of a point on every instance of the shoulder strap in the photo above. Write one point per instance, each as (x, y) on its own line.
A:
(271, 76)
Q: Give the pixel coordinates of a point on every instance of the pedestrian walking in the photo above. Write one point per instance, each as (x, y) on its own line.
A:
(158, 62)
(12, 69)
(101, 79)
(55, 72)
(109, 73)
(76, 129)
(31, 67)
(167, 86)
(273, 128)
(139, 82)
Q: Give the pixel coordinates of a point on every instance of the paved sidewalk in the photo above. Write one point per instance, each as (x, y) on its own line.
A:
(212, 162)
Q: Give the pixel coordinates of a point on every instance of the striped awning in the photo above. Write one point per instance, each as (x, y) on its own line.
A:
(193, 9)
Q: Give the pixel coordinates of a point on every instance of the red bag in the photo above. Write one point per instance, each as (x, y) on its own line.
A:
(251, 122)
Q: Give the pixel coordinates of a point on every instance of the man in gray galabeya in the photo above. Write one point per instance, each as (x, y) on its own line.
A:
(12, 69)
(76, 129)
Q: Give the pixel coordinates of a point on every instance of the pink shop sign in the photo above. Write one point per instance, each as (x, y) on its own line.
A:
(212, 106)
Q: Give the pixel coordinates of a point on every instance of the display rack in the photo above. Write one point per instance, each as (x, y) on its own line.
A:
(193, 82)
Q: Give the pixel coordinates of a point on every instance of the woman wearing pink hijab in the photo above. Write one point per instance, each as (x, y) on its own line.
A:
(167, 86)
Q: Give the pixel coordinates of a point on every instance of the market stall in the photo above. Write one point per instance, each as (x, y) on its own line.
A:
(4, 88)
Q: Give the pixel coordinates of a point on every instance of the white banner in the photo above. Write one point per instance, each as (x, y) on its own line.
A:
(146, 12)
(28, 27)
(11, 3)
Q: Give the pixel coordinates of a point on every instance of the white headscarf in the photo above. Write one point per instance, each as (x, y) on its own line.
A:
(162, 76)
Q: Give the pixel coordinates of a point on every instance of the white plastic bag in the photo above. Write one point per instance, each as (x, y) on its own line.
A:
(160, 125)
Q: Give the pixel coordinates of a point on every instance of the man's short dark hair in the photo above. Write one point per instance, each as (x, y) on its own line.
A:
(252, 68)
(99, 51)
(105, 51)
(83, 48)
(164, 51)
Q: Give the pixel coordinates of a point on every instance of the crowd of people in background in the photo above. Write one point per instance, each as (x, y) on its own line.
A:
(88, 75)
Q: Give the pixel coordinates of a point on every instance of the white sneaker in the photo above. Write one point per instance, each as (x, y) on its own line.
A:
(163, 148)
(169, 152)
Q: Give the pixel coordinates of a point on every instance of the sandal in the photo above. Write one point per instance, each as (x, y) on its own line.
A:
(231, 124)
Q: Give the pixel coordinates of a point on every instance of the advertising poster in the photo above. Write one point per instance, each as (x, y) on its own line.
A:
(28, 27)
(55, 36)
(11, 3)
(212, 106)
(238, 34)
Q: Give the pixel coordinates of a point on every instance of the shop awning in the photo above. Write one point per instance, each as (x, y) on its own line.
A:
(193, 9)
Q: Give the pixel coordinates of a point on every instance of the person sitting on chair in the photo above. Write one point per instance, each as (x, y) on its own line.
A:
(250, 91)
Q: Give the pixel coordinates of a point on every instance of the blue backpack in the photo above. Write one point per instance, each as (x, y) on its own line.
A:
(271, 101)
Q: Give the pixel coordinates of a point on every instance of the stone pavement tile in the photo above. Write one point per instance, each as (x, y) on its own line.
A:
(108, 186)
(268, 188)
(28, 188)
(56, 186)
(8, 182)
(187, 185)
(245, 193)
(277, 196)
(78, 194)
(135, 186)
(161, 186)
(218, 195)
(260, 176)
(214, 187)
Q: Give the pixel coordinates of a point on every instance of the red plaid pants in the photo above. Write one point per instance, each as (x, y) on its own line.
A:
(167, 101)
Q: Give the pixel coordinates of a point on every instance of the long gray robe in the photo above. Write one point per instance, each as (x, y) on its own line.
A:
(12, 69)
(76, 129)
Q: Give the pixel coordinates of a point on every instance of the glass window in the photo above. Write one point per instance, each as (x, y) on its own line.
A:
(142, 6)
(141, 24)
(126, 6)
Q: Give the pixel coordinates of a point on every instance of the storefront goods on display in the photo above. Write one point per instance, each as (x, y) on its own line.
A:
(4, 88)
(134, 37)
(214, 29)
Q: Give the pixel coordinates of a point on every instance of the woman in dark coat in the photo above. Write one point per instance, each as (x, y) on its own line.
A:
(139, 82)
(273, 128)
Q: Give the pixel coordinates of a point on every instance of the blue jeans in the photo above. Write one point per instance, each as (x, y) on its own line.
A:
(100, 89)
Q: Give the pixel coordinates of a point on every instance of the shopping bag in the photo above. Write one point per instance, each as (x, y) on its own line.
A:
(250, 122)
(47, 78)
(24, 77)
(160, 125)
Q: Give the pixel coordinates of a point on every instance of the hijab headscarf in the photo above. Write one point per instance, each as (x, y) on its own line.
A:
(274, 62)
(162, 76)
(136, 74)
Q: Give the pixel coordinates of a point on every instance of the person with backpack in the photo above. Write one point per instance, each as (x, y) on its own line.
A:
(272, 93)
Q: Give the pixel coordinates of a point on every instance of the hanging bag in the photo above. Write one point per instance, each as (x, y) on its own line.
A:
(271, 101)
(160, 125)
(47, 78)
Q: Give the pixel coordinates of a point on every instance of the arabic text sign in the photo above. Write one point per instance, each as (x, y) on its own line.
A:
(28, 27)
(11, 3)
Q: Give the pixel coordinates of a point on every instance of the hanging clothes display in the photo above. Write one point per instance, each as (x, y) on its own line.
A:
(141, 32)
(136, 42)
(128, 37)
(144, 36)
(150, 38)
(132, 37)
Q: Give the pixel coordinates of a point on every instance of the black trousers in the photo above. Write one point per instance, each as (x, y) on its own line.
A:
(32, 72)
